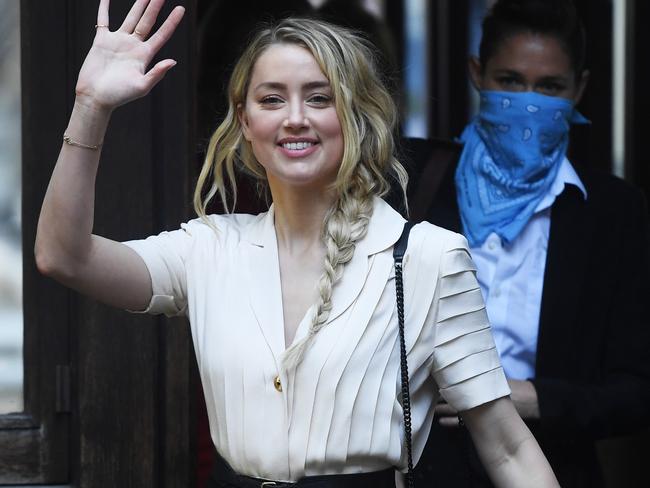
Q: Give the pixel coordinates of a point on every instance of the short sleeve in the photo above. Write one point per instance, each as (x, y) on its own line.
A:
(165, 257)
(466, 363)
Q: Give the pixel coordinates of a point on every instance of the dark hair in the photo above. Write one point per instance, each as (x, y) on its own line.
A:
(556, 18)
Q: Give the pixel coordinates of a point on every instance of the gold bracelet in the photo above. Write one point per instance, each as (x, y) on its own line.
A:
(68, 140)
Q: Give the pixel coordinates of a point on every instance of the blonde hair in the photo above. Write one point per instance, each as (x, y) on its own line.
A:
(368, 118)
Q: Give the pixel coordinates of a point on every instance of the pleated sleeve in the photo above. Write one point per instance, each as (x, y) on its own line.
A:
(465, 363)
(165, 257)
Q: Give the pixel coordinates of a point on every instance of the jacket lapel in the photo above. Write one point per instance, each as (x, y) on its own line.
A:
(572, 228)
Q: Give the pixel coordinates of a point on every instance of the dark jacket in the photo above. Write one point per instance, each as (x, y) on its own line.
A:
(593, 353)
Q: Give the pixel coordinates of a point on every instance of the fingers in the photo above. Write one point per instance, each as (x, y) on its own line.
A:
(165, 31)
(447, 416)
(134, 15)
(148, 19)
(448, 421)
(102, 13)
(444, 409)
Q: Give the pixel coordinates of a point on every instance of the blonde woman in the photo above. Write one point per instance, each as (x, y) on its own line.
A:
(292, 311)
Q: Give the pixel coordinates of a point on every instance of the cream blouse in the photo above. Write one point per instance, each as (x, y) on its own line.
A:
(340, 412)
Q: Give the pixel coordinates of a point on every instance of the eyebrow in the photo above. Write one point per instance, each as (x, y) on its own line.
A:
(517, 74)
(275, 85)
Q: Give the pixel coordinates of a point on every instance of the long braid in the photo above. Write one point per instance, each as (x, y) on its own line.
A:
(345, 225)
(368, 116)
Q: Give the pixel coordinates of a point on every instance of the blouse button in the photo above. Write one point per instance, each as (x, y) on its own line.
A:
(277, 383)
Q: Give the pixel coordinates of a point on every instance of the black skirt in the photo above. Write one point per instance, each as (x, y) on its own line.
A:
(223, 476)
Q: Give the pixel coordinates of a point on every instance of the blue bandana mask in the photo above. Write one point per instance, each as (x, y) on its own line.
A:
(512, 152)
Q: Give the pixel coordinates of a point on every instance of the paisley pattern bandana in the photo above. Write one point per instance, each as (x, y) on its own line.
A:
(512, 152)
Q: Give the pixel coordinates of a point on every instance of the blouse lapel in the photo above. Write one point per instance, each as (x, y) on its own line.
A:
(263, 271)
(264, 281)
(384, 229)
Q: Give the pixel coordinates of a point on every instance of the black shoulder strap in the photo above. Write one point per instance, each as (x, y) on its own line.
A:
(400, 246)
(398, 255)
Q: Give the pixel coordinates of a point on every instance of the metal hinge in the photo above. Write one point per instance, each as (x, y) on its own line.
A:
(62, 388)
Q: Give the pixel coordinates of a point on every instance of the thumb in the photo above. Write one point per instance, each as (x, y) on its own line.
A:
(158, 71)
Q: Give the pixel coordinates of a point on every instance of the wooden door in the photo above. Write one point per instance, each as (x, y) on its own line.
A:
(108, 395)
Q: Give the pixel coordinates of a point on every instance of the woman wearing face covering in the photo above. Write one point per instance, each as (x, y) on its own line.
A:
(561, 251)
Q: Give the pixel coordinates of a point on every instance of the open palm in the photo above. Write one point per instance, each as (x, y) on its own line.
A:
(115, 69)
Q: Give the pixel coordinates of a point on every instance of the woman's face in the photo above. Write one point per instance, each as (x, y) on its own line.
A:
(530, 62)
(290, 119)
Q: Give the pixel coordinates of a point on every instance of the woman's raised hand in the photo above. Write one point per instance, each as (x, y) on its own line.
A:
(114, 72)
(115, 69)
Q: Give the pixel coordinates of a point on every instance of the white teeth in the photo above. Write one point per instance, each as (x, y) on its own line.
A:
(296, 146)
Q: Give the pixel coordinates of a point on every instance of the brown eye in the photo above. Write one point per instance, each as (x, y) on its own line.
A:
(509, 82)
(551, 88)
(271, 100)
(320, 99)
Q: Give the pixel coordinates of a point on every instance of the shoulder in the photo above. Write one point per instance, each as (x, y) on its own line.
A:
(235, 223)
(217, 230)
(433, 235)
(386, 226)
(605, 190)
(223, 223)
(433, 247)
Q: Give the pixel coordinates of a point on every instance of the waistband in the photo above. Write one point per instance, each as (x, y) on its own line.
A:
(223, 476)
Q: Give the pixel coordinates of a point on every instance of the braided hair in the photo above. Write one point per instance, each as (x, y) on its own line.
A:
(368, 118)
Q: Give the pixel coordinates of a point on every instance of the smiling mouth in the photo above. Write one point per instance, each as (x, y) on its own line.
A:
(297, 146)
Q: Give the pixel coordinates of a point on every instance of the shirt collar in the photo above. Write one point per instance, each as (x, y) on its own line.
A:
(566, 175)
(384, 229)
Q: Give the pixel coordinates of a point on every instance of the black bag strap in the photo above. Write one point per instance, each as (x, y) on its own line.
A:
(398, 255)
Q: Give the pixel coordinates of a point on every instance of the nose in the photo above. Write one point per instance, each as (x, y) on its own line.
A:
(296, 117)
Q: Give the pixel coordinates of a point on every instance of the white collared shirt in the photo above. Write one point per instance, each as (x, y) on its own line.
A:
(512, 279)
(339, 413)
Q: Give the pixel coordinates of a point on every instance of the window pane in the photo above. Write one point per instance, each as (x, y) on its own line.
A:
(11, 315)
(416, 68)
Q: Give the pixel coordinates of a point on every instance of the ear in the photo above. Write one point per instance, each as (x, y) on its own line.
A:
(475, 75)
(243, 121)
(582, 84)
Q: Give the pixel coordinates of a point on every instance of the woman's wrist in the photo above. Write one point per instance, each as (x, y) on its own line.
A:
(90, 106)
(88, 122)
